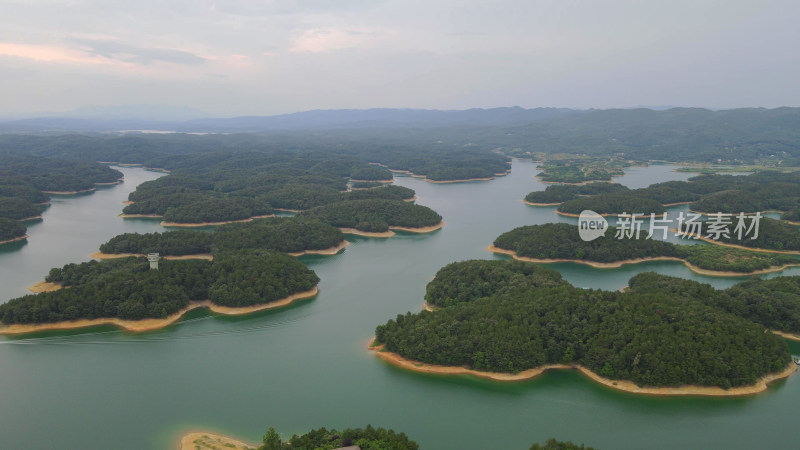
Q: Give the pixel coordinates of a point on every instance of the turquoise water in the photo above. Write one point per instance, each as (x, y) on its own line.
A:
(307, 366)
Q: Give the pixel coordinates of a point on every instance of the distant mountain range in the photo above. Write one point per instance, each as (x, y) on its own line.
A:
(107, 119)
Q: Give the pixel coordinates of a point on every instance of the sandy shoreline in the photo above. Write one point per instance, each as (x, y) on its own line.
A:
(140, 216)
(429, 229)
(371, 181)
(296, 211)
(101, 255)
(540, 204)
(204, 439)
(28, 219)
(382, 234)
(618, 264)
(622, 385)
(790, 336)
(16, 239)
(211, 224)
(71, 192)
(44, 286)
(390, 233)
(154, 324)
(327, 251)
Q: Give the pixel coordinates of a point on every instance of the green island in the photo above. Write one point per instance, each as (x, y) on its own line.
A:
(561, 242)
(26, 183)
(757, 192)
(129, 290)
(577, 170)
(219, 193)
(555, 194)
(776, 236)
(367, 438)
(377, 216)
(511, 320)
(281, 234)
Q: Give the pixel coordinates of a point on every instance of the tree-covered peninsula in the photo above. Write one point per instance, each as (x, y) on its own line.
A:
(561, 241)
(281, 234)
(773, 303)
(652, 338)
(773, 235)
(11, 230)
(757, 192)
(128, 289)
(367, 438)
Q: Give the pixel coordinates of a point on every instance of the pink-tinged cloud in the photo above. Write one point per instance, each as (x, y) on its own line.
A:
(52, 53)
(320, 40)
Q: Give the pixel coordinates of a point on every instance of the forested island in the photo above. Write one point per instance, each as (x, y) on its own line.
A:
(559, 193)
(281, 234)
(232, 190)
(510, 320)
(575, 170)
(561, 242)
(757, 192)
(377, 216)
(367, 438)
(127, 289)
(25, 183)
(773, 235)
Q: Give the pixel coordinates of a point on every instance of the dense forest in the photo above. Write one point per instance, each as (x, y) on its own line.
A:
(773, 303)
(216, 188)
(18, 209)
(562, 241)
(552, 444)
(375, 215)
(281, 234)
(581, 170)
(652, 338)
(128, 289)
(760, 191)
(368, 438)
(560, 193)
(168, 243)
(24, 181)
(772, 234)
(11, 229)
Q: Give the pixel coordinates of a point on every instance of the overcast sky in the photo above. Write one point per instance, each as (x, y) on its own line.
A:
(237, 57)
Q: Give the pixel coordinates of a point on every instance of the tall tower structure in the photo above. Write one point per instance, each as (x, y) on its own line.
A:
(153, 258)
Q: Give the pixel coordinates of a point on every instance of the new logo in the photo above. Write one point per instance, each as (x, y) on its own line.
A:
(591, 225)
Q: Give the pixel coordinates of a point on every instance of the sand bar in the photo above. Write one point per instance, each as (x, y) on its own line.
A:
(154, 324)
(790, 336)
(211, 224)
(44, 286)
(622, 385)
(16, 239)
(429, 229)
(540, 204)
(327, 251)
(206, 440)
(618, 264)
(382, 234)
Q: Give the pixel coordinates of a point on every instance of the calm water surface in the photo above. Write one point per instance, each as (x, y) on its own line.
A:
(307, 366)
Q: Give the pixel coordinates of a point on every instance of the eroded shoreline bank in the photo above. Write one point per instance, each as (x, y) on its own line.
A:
(622, 385)
(154, 324)
(618, 264)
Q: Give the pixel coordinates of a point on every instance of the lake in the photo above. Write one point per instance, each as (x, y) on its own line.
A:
(307, 366)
